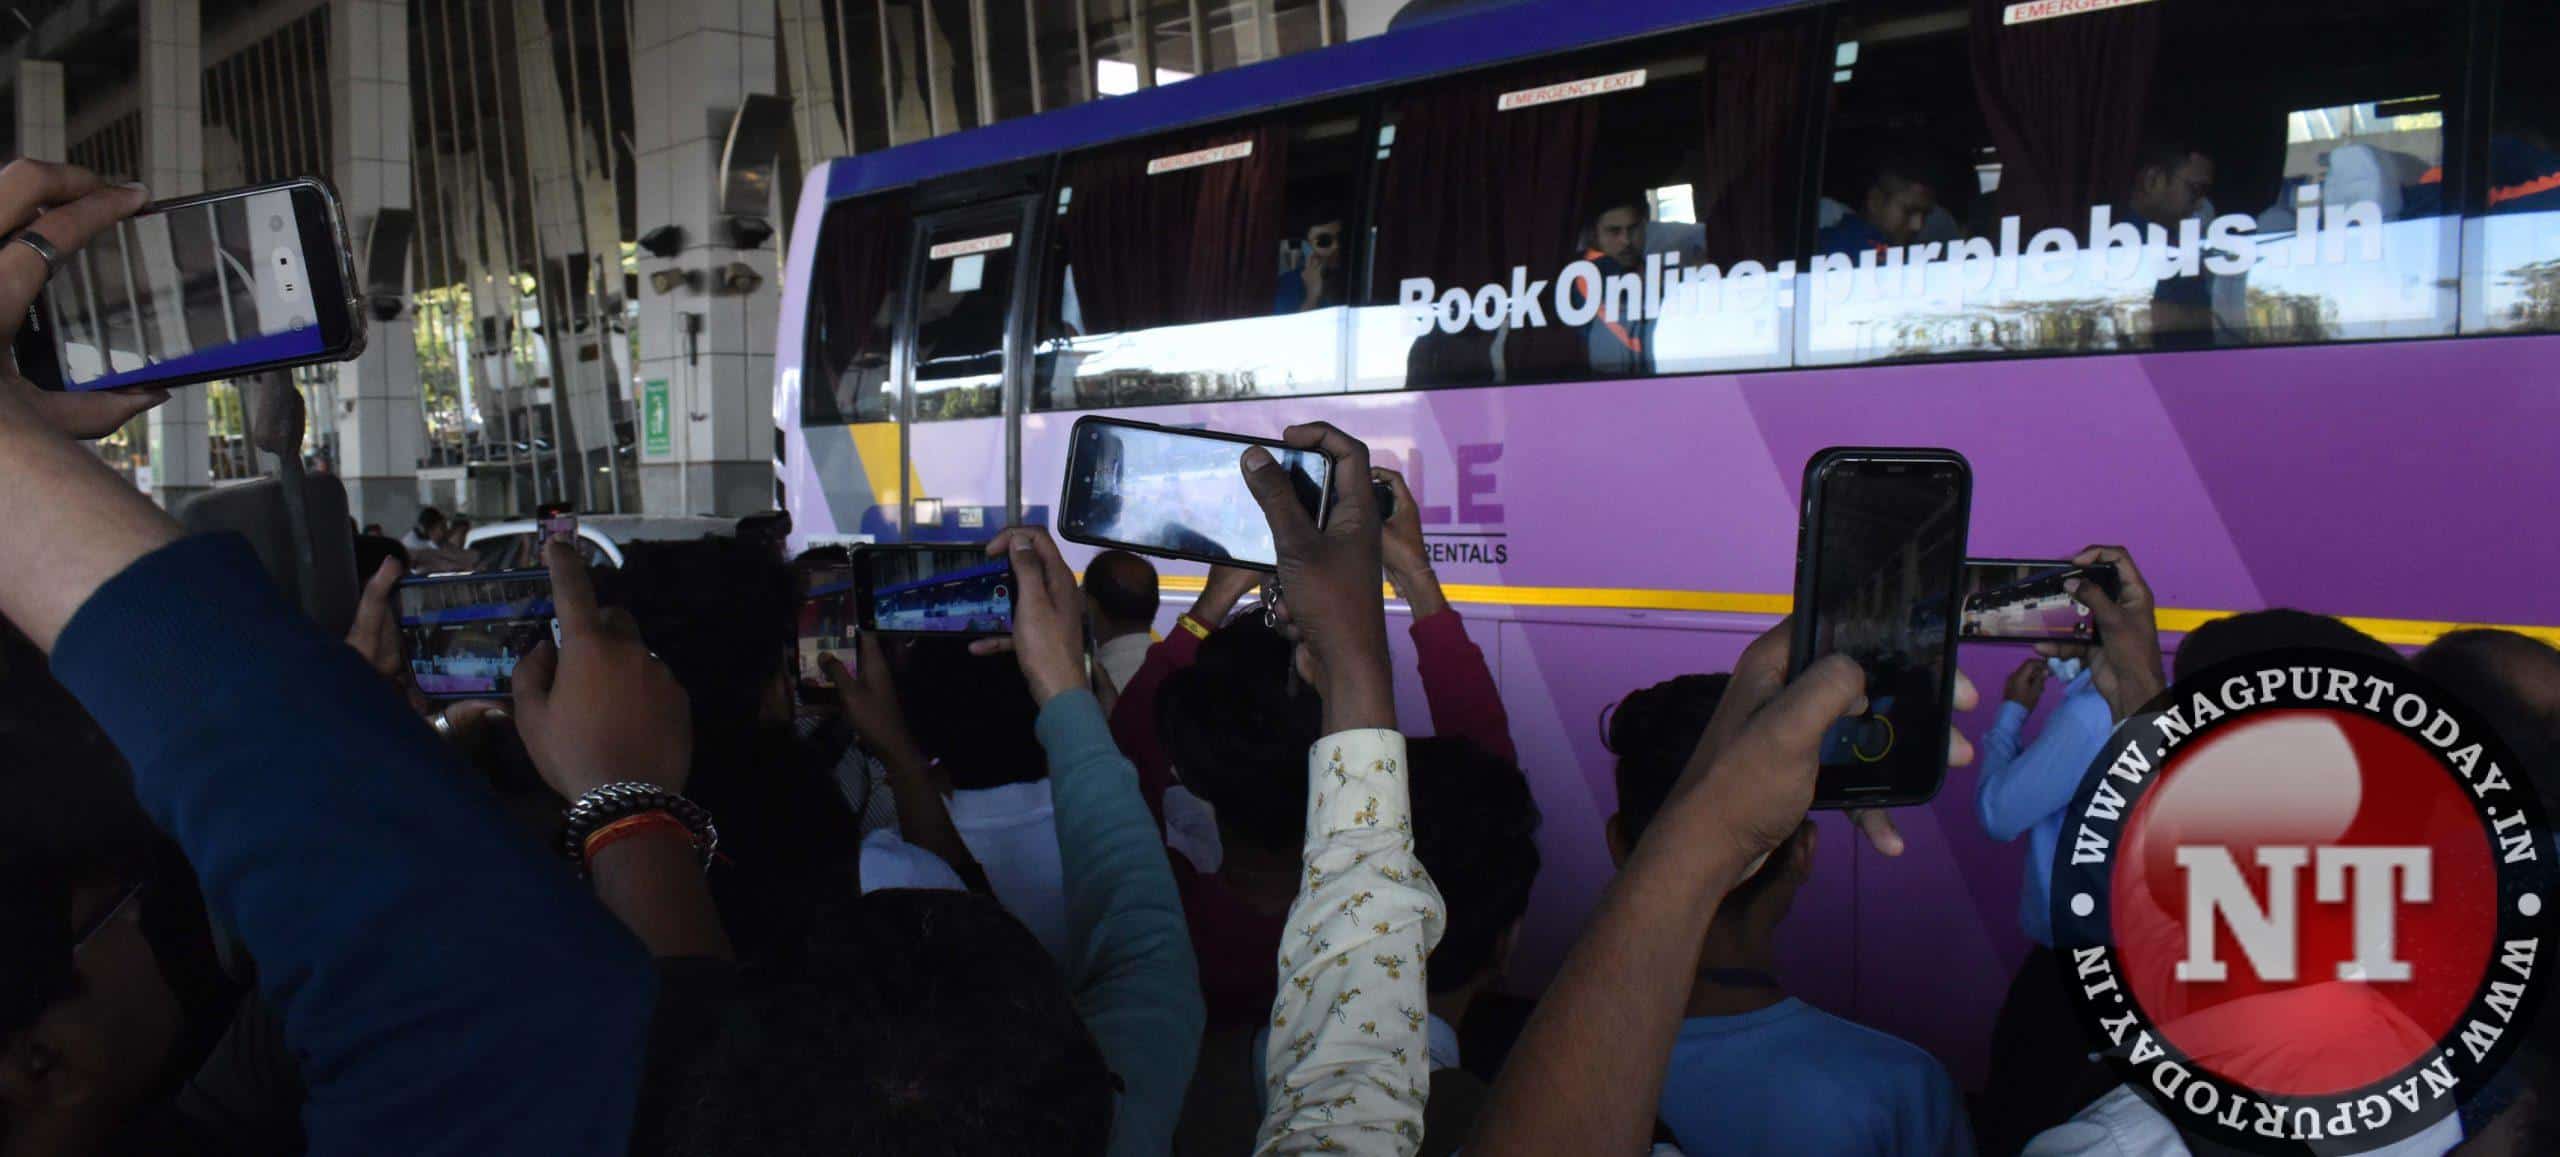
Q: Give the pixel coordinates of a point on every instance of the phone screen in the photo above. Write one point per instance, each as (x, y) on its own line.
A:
(465, 633)
(1177, 493)
(1886, 554)
(935, 591)
(2023, 600)
(201, 287)
(829, 615)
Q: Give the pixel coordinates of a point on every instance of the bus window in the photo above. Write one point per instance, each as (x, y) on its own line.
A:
(2002, 178)
(961, 310)
(1616, 214)
(853, 310)
(1206, 265)
(2515, 283)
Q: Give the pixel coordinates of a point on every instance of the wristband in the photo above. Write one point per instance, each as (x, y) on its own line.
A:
(1198, 629)
(615, 801)
(627, 827)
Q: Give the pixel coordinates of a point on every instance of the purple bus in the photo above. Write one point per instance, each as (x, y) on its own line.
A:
(2255, 288)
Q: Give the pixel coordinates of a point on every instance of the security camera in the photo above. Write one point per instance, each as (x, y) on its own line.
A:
(383, 307)
(663, 241)
(746, 232)
(740, 278)
(669, 280)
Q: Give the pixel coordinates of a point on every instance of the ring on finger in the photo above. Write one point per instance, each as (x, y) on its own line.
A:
(43, 246)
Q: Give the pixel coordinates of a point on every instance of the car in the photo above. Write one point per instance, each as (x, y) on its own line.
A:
(510, 545)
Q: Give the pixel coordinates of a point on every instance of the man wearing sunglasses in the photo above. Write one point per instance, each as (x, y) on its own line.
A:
(1317, 281)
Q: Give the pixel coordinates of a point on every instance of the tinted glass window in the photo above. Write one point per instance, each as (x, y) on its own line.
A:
(1201, 265)
(2154, 176)
(960, 321)
(2516, 283)
(853, 309)
(1617, 214)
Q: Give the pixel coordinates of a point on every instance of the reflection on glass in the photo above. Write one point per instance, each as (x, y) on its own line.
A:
(960, 321)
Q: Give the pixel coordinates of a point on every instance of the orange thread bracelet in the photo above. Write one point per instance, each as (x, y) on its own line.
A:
(627, 827)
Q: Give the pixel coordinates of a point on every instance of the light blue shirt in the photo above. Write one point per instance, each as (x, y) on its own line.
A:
(1793, 1079)
(2026, 791)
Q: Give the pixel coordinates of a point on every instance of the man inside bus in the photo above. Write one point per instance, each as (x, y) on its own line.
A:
(2171, 180)
(1317, 280)
(1120, 597)
(1890, 205)
(1619, 338)
(1753, 1069)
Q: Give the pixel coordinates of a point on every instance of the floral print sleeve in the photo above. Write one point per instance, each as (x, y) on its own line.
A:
(1350, 1057)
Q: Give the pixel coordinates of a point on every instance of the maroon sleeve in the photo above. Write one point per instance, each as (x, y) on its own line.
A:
(1459, 686)
(1133, 719)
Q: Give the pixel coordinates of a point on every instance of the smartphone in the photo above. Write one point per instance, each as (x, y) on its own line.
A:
(1178, 493)
(465, 632)
(2022, 600)
(829, 616)
(912, 589)
(1879, 560)
(199, 288)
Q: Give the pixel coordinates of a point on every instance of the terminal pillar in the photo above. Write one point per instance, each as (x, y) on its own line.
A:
(43, 125)
(173, 166)
(705, 389)
(382, 432)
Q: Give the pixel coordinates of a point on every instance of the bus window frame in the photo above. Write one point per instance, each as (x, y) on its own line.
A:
(1019, 210)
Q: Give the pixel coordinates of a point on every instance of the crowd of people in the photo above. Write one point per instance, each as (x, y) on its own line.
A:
(1069, 890)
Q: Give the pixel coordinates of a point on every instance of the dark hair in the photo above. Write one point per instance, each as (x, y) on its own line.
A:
(2514, 681)
(835, 554)
(1890, 164)
(974, 713)
(721, 614)
(371, 549)
(1475, 828)
(1237, 727)
(925, 1023)
(1653, 732)
(1122, 586)
(429, 517)
(2165, 153)
(2242, 635)
(1612, 199)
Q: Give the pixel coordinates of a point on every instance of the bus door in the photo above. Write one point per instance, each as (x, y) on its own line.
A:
(963, 365)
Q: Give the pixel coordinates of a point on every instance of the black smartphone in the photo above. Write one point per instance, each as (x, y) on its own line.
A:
(465, 632)
(2023, 600)
(1178, 493)
(919, 589)
(1879, 557)
(829, 616)
(199, 288)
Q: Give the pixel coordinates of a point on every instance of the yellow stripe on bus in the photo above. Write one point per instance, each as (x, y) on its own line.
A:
(2399, 632)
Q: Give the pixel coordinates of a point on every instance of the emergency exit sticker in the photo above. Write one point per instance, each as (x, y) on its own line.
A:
(987, 244)
(2035, 10)
(1192, 160)
(1627, 81)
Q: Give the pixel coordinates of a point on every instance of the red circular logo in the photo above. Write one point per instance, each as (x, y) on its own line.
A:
(2302, 898)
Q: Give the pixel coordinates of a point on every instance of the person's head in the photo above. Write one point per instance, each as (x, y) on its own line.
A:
(430, 521)
(1653, 732)
(974, 713)
(1236, 726)
(1475, 828)
(924, 1024)
(2514, 681)
(1617, 230)
(1900, 192)
(2170, 178)
(457, 532)
(1120, 589)
(2256, 632)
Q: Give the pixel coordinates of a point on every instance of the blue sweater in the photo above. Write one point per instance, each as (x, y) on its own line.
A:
(2024, 791)
(445, 986)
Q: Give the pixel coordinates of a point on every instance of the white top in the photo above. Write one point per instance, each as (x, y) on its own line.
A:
(1013, 831)
(2122, 1124)
(890, 862)
(1121, 657)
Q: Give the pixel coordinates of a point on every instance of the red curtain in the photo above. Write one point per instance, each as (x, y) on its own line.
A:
(862, 248)
(1754, 86)
(1189, 245)
(2064, 101)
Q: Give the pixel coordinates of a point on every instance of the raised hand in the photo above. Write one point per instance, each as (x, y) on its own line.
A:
(2125, 666)
(2026, 684)
(599, 708)
(66, 205)
(1329, 577)
(1048, 614)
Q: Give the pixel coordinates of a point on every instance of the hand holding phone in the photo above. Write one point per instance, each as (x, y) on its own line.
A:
(922, 589)
(598, 707)
(1174, 493)
(191, 290)
(465, 634)
(1328, 572)
(2012, 600)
